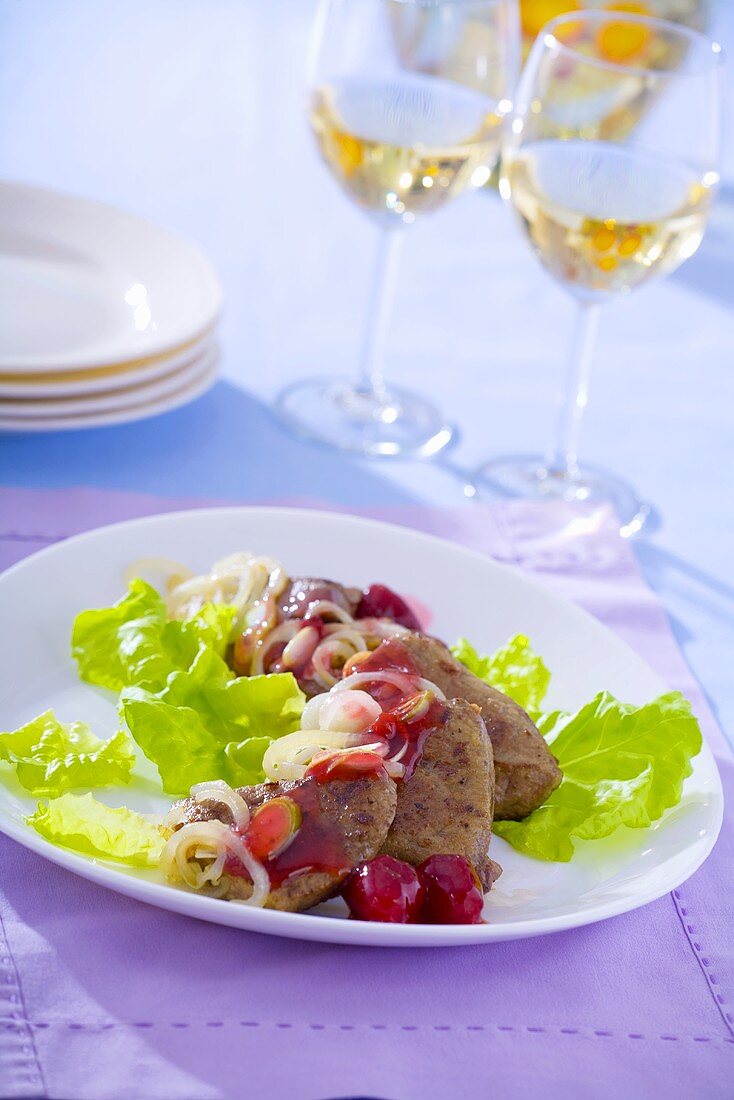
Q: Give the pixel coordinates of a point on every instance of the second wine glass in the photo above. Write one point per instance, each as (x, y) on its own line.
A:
(407, 103)
(611, 167)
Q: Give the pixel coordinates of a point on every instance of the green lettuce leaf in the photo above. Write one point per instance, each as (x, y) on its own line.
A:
(51, 757)
(514, 669)
(205, 724)
(133, 642)
(622, 765)
(88, 826)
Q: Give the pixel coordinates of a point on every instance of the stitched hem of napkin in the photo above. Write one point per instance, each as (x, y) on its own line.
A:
(719, 999)
(18, 536)
(21, 1075)
(519, 1029)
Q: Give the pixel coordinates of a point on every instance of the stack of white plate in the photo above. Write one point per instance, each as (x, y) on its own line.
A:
(103, 317)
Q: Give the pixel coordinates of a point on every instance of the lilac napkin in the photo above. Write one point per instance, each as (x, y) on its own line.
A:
(102, 997)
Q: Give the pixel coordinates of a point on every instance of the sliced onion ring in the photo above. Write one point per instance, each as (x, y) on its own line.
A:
(402, 680)
(380, 628)
(351, 711)
(288, 757)
(300, 648)
(284, 632)
(249, 584)
(323, 657)
(310, 717)
(177, 815)
(217, 840)
(319, 608)
(219, 791)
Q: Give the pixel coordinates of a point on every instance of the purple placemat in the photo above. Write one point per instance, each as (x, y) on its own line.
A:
(102, 997)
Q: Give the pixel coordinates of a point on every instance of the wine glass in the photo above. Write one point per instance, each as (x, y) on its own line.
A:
(407, 102)
(611, 167)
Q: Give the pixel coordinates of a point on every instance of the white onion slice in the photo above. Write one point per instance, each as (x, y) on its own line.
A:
(347, 631)
(349, 712)
(310, 718)
(284, 632)
(300, 648)
(319, 608)
(401, 680)
(399, 754)
(286, 771)
(342, 711)
(255, 869)
(380, 628)
(247, 583)
(323, 659)
(428, 685)
(210, 842)
(177, 815)
(289, 756)
(219, 791)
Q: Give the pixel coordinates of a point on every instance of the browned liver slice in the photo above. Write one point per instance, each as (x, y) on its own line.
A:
(446, 805)
(525, 770)
(359, 813)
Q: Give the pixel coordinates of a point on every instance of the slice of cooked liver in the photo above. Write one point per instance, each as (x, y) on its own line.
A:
(356, 813)
(447, 804)
(525, 770)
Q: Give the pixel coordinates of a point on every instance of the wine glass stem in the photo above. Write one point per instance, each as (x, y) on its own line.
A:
(564, 459)
(379, 309)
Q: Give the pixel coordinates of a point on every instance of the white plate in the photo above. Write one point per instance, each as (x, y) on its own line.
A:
(130, 406)
(82, 383)
(469, 595)
(115, 397)
(86, 285)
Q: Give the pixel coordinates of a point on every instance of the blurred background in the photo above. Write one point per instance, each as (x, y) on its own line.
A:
(193, 114)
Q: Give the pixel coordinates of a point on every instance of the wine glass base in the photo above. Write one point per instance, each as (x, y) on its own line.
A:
(529, 477)
(335, 412)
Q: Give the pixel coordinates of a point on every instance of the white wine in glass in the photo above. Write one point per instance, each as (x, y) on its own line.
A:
(607, 208)
(406, 146)
(407, 103)
(604, 218)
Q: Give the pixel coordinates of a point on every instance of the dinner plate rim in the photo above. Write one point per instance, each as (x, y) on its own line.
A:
(317, 928)
(87, 382)
(160, 348)
(190, 391)
(314, 927)
(82, 405)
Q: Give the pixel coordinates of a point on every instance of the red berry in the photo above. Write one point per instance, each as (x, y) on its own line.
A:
(384, 889)
(380, 602)
(453, 891)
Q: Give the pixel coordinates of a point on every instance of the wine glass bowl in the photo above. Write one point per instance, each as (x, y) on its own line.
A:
(407, 101)
(436, 140)
(611, 169)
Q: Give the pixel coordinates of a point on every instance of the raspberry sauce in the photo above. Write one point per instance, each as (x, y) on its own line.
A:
(409, 715)
(318, 845)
